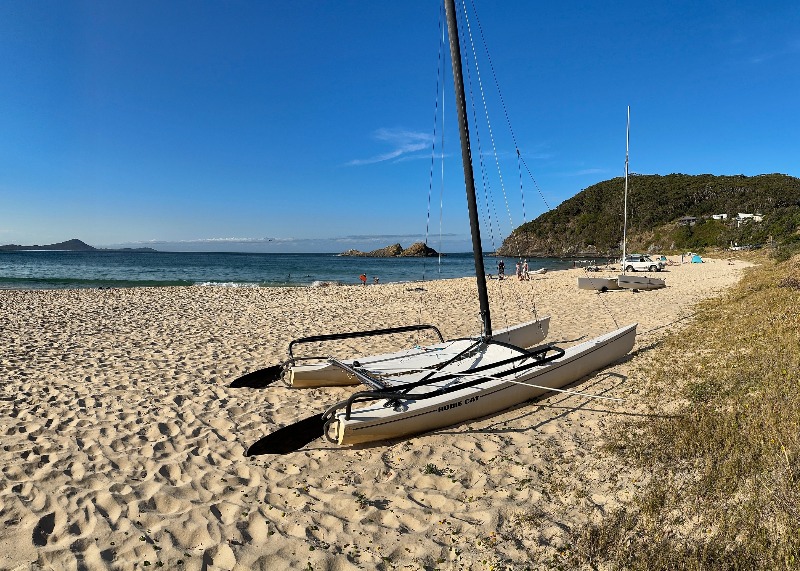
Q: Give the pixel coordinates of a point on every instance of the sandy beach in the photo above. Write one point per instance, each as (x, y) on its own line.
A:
(123, 446)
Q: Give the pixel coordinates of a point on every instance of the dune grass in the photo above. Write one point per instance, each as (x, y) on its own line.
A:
(724, 459)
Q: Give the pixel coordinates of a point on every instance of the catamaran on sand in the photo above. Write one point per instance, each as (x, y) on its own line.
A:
(450, 382)
(626, 280)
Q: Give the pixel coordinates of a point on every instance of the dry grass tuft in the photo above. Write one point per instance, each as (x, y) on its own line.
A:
(792, 279)
(724, 491)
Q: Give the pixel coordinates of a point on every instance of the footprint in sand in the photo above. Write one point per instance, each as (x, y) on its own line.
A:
(220, 557)
(44, 527)
(108, 507)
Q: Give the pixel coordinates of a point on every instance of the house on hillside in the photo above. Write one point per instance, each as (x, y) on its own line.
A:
(719, 216)
(744, 218)
(687, 221)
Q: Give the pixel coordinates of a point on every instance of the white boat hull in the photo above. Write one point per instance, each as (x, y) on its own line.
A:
(598, 284)
(628, 281)
(303, 376)
(525, 334)
(376, 422)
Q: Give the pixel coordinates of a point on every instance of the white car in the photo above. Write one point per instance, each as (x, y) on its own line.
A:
(642, 263)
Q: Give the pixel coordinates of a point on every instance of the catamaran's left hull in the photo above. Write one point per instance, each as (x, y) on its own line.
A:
(376, 422)
(598, 284)
(303, 376)
(628, 281)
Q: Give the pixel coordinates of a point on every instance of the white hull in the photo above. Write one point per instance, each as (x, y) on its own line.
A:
(598, 284)
(312, 375)
(376, 422)
(525, 334)
(628, 281)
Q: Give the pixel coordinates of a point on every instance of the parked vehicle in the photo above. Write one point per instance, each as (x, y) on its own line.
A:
(642, 263)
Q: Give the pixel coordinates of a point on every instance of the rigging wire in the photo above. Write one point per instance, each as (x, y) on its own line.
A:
(478, 96)
(486, 115)
(439, 95)
(520, 159)
(485, 178)
(486, 183)
(505, 109)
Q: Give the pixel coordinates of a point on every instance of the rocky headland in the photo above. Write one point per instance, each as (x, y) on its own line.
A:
(73, 245)
(417, 250)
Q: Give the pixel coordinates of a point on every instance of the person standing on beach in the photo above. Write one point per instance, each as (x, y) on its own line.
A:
(519, 272)
(363, 278)
(525, 274)
(501, 270)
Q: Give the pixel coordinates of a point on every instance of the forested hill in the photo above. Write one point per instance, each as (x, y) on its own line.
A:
(591, 221)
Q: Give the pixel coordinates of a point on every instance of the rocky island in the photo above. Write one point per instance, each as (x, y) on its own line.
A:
(418, 250)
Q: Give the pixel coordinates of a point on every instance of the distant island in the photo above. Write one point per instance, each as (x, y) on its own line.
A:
(418, 250)
(73, 245)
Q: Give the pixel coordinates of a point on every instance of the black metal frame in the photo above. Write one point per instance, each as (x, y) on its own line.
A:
(355, 335)
(538, 355)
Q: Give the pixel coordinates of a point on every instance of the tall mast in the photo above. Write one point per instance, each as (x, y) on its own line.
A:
(625, 211)
(466, 158)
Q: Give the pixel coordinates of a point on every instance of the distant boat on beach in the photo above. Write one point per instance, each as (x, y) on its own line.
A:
(624, 280)
(600, 284)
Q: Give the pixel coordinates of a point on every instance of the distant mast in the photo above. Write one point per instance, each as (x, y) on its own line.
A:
(466, 158)
(625, 208)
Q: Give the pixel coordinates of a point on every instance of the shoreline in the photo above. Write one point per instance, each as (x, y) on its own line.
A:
(607, 269)
(255, 285)
(86, 270)
(118, 425)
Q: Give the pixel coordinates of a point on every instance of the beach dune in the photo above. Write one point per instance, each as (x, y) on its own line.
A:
(123, 446)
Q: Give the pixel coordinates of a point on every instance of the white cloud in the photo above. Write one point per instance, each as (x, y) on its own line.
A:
(208, 241)
(584, 172)
(404, 144)
(451, 242)
(790, 48)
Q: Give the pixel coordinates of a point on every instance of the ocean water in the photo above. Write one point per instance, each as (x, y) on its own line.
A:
(75, 270)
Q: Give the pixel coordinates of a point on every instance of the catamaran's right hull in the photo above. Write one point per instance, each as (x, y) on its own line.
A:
(326, 375)
(376, 422)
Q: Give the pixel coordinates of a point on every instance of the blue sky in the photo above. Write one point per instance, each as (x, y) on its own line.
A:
(307, 126)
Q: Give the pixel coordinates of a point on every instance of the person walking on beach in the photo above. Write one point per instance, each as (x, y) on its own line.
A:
(501, 270)
(519, 272)
(525, 274)
(363, 278)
